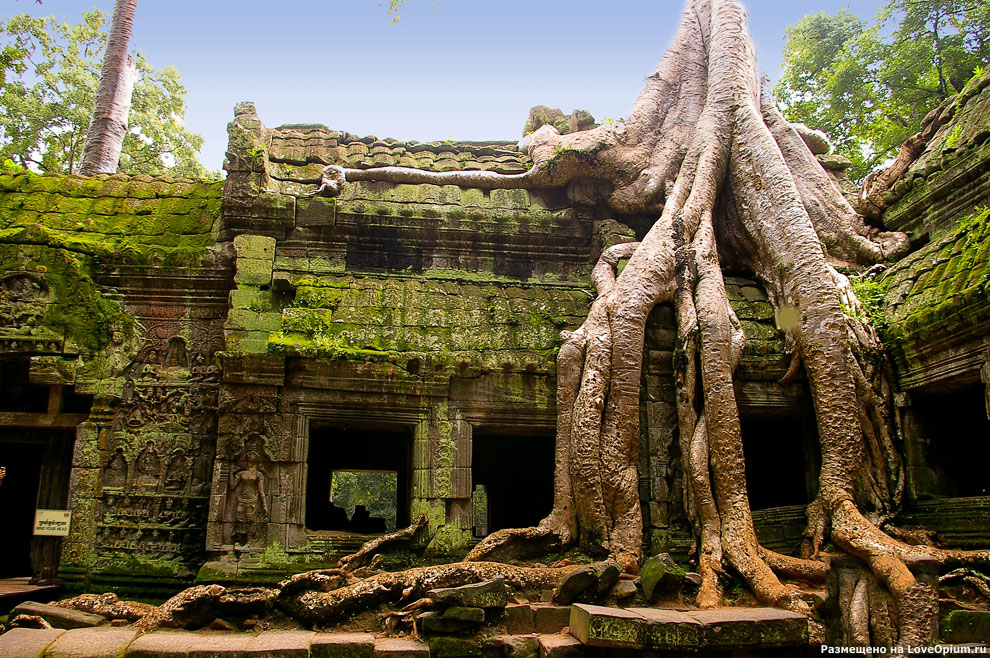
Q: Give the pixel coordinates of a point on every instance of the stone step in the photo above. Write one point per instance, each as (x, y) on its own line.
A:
(725, 629)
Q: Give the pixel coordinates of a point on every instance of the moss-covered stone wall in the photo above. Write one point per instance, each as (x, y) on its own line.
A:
(112, 283)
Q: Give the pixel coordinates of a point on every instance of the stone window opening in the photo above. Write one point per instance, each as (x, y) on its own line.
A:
(515, 473)
(357, 480)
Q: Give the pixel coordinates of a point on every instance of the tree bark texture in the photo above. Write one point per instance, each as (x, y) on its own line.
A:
(729, 180)
(105, 137)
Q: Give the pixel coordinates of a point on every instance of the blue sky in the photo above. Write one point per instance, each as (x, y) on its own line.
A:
(466, 69)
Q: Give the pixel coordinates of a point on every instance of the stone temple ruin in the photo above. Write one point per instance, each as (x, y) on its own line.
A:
(190, 368)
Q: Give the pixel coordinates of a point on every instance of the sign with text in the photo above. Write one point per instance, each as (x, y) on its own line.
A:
(52, 522)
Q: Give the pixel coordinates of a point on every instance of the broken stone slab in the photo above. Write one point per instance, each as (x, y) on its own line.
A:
(660, 576)
(487, 594)
(393, 647)
(27, 641)
(59, 617)
(598, 626)
(560, 645)
(669, 629)
(162, 644)
(98, 642)
(342, 645)
(574, 584)
(624, 590)
(455, 619)
(608, 575)
(731, 628)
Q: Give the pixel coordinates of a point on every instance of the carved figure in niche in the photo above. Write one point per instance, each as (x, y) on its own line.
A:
(175, 353)
(148, 467)
(246, 512)
(22, 287)
(115, 472)
(177, 472)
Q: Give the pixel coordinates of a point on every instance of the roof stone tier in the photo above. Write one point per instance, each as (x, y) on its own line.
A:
(937, 303)
(952, 174)
(273, 174)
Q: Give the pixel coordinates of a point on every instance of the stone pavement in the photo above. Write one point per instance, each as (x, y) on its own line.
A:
(594, 632)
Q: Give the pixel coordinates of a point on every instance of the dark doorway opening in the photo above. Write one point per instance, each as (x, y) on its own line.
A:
(38, 462)
(782, 459)
(360, 458)
(956, 430)
(516, 473)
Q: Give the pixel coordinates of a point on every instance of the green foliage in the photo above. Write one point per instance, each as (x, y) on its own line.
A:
(48, 78)
(870, 293)
(376, 490)
(869, 86)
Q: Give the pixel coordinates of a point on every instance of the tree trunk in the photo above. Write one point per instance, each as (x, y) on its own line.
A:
(107, 129)
(728, 178)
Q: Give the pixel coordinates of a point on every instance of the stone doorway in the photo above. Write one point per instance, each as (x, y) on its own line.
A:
(516, 473)
(37, 437)
(782, 458)
(38, 463)
(357, 479)
(956, 439)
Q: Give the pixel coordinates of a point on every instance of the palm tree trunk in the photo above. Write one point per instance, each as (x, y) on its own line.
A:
(108, 127)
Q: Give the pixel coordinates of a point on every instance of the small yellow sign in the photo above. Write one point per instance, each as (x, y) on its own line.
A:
(52, 522)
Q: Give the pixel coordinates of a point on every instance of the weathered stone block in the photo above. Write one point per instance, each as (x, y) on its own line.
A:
(66, 618)
(344, 645)
(254, 272)
(962, 626)
(255, 246)
(669, 629)
(27, 641)
(454, 647)
(316, 211)
(520, 619)
(162, 644)
(730, 628)
(560, 645)
(512, 646)
(660, 576)
(598, 626)
(287, 644)
(101, 642)
(551, 618)
(391, 647)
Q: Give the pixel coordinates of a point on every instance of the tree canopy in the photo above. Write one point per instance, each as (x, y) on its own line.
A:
(869, 85)
(49, 72)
